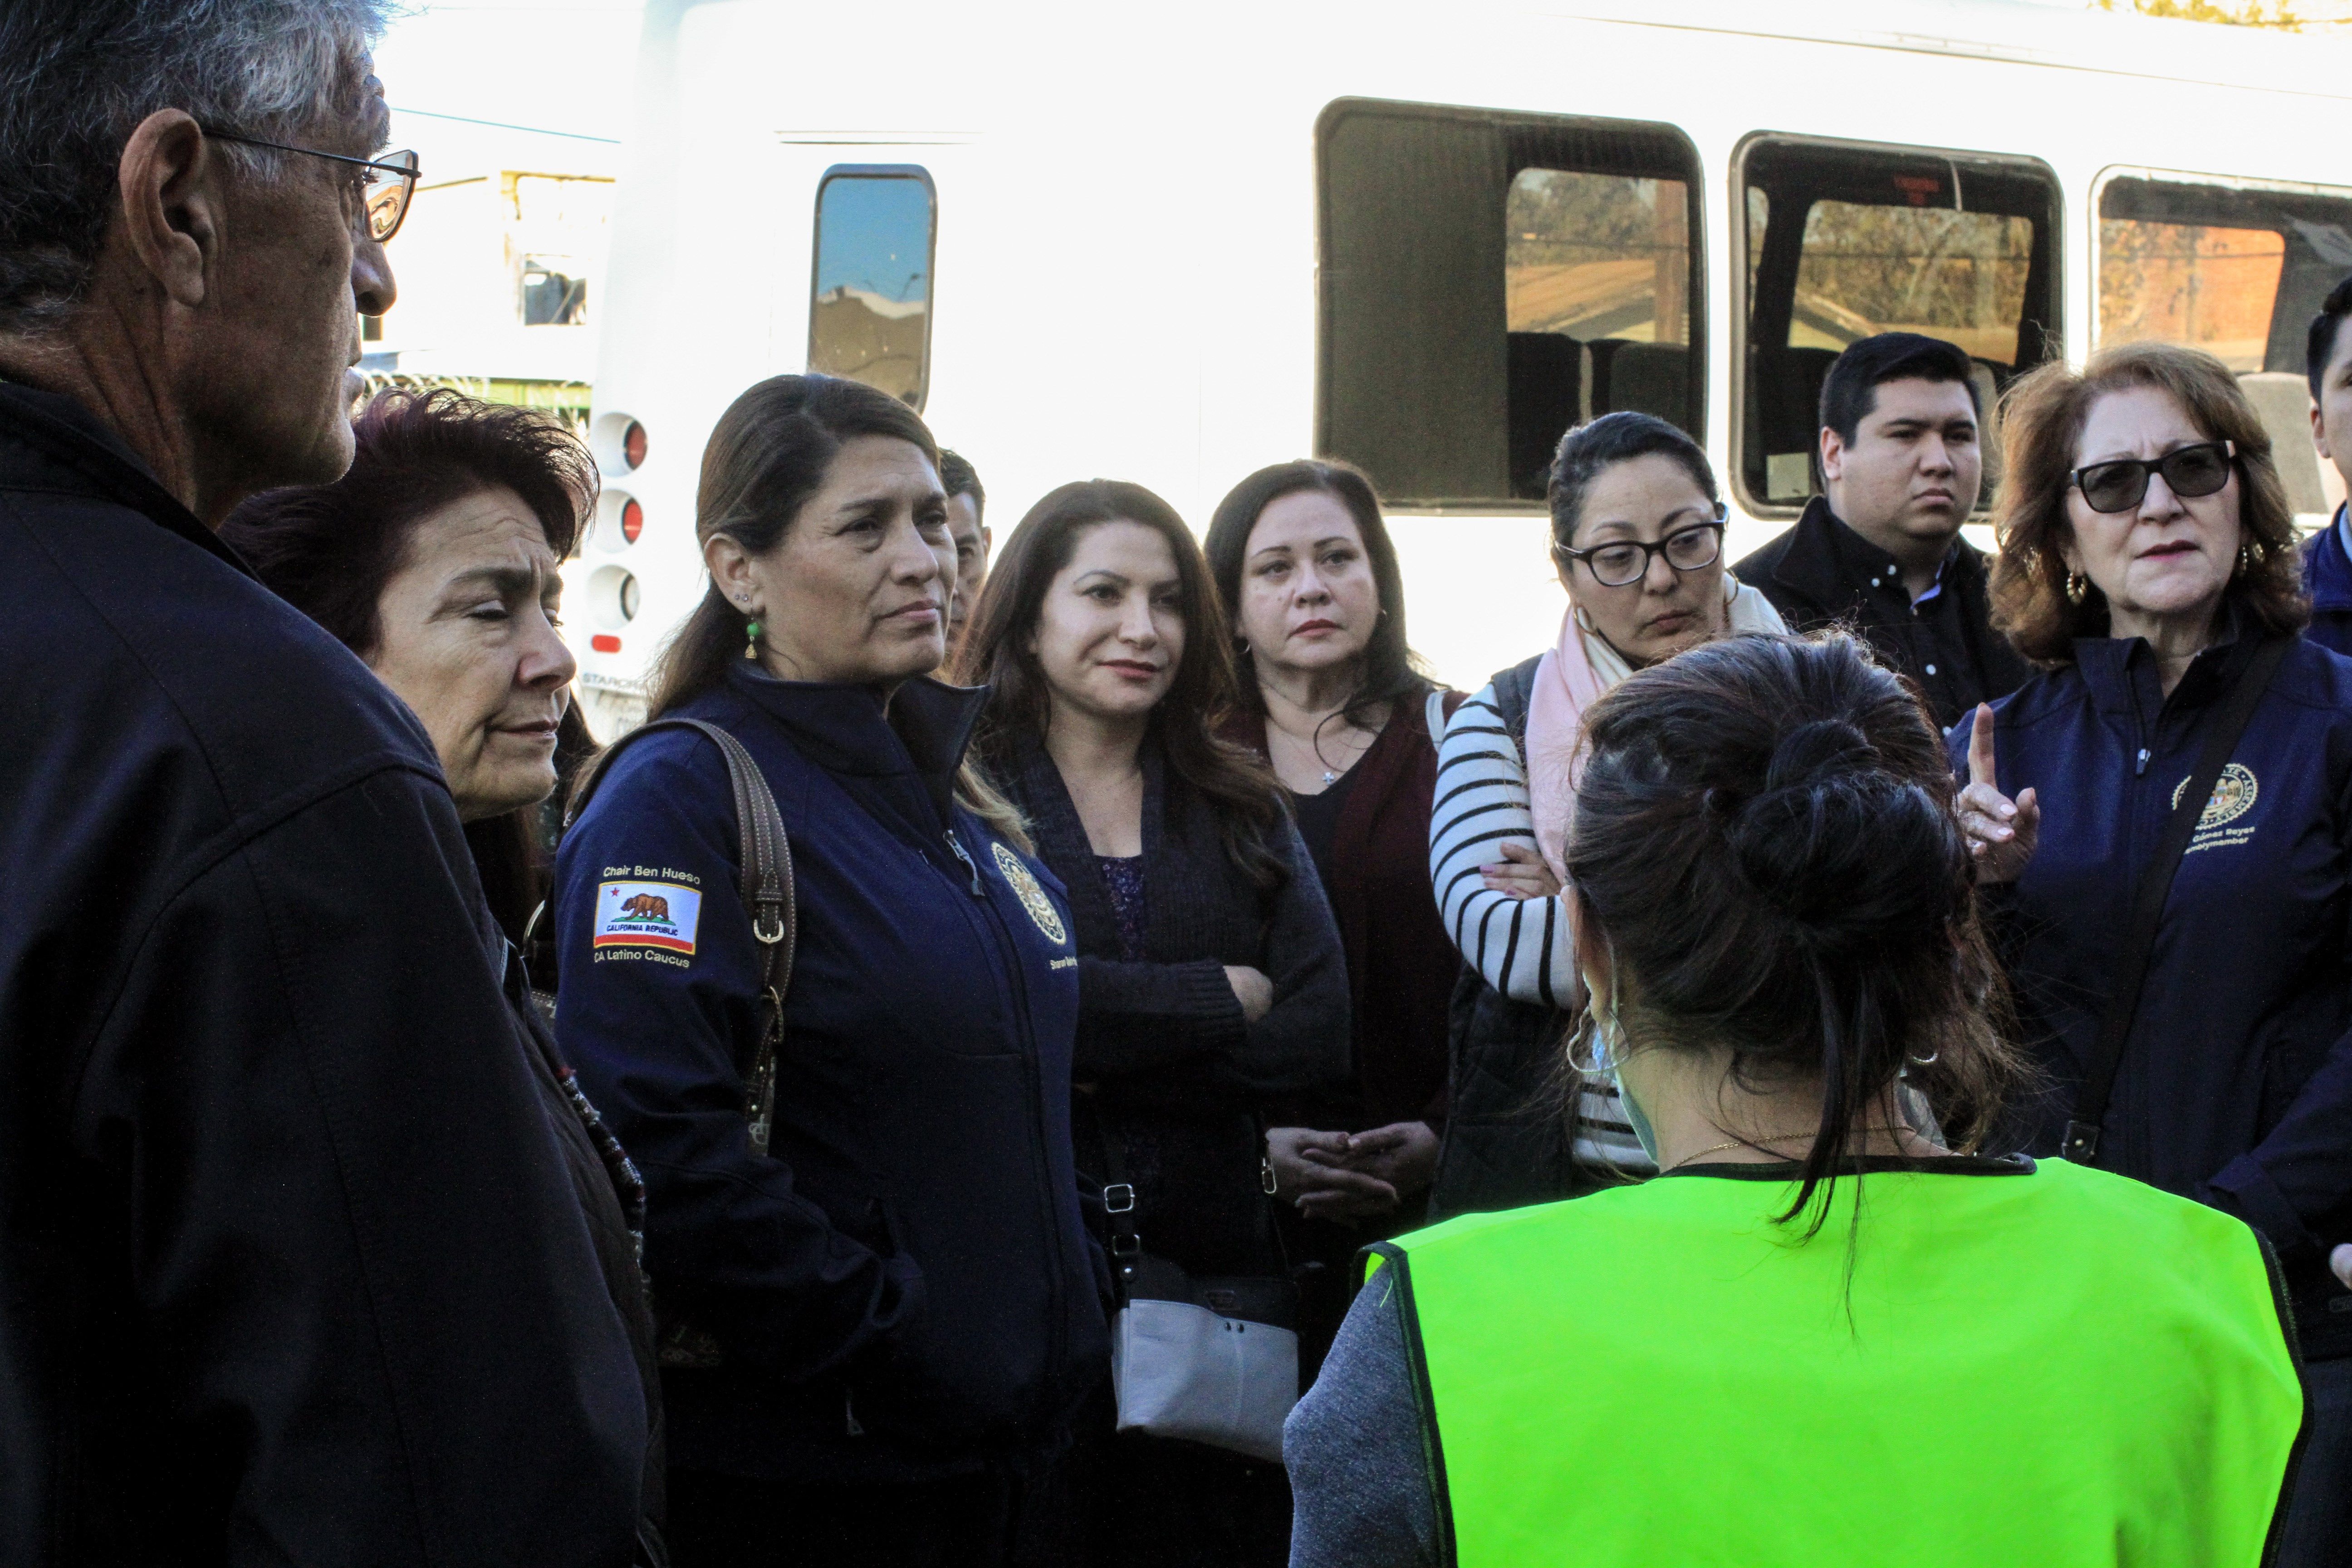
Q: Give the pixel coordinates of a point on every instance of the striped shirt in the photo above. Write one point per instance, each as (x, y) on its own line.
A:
(1524, 948)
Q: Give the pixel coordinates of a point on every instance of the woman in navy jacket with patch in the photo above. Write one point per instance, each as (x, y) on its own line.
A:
(2146, 557)
(902, 1305)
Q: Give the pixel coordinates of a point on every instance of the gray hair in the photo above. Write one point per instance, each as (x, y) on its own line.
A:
(77, 77)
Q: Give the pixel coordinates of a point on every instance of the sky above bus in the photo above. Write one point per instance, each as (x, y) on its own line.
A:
(479, 85)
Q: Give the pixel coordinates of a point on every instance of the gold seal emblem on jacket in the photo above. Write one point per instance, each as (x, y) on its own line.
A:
(2234, 796)
(1033, 897)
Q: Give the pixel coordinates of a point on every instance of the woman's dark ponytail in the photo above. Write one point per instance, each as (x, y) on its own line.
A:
(1764, 828)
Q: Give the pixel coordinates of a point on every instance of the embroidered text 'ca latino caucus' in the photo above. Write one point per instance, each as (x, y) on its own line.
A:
(647, 914)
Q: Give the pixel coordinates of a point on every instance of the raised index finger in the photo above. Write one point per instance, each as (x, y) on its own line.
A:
(1981, 757)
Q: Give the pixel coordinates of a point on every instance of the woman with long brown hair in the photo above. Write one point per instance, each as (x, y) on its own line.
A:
(1212, 995)
(1334, 700)
(882, 1313)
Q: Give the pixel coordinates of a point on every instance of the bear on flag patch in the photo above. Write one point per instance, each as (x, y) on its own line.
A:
(647, 914)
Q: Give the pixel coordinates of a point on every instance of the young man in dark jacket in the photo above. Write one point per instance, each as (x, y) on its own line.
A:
(2327, 554)
(289, 1268)
(1901, 462)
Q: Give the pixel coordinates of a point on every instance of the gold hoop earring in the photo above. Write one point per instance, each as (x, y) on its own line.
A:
(1584, 621)
(2077, 586)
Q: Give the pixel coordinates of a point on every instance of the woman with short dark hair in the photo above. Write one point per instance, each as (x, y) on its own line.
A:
(435, 560)
(1819, 1335)
(1331, 695)
(882, 1314)
(2148, 563)
(1212, 1000)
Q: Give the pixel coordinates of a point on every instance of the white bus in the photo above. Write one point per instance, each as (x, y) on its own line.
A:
(1172, 244)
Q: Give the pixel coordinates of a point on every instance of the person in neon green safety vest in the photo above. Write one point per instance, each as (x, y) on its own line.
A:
(1819, 1337)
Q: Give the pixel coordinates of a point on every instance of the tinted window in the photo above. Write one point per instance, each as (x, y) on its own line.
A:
(1843, 243)
(2237, 273)
(1488, 280)
(869, 314)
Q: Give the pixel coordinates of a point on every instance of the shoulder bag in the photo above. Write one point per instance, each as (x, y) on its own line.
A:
(1210, 1360)
(763, 879)
(2083, 1130)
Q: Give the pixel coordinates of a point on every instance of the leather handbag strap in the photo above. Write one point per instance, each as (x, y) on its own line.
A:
(763, 879)
(2082, 1142)
(1118, 1203)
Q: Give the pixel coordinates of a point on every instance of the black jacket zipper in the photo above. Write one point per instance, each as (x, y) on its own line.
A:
(968, 865)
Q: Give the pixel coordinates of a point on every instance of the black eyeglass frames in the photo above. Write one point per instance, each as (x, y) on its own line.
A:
(1622, 563)
(391, 181)
(2121, 484)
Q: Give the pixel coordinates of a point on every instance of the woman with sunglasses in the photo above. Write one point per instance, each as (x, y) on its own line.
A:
(1637, 540)
(2147, 558)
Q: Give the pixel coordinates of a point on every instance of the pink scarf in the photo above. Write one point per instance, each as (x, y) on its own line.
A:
(1578, 671)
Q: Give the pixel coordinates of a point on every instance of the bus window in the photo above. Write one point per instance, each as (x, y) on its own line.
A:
(2236, 270)
(1594, 263)
(1488, 280)
(1845, 242)
(869, 310)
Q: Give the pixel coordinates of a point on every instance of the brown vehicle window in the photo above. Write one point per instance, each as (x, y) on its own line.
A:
(1844, 242)
(2238, 273)
(1488, 280)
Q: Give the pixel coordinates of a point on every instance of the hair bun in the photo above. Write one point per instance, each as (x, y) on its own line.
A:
(1832, 841)
(1818, 749)
(1764, 832)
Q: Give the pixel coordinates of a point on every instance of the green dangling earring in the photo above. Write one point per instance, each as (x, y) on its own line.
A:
(751, 639)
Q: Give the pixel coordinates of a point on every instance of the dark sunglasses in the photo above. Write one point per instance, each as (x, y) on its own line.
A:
(391, 182)
(2121, 485)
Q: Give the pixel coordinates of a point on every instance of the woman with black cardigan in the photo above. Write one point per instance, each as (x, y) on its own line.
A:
(1212, 999)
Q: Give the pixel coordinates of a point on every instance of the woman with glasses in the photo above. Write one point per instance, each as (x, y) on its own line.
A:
(1637, 540)
(2148, 563)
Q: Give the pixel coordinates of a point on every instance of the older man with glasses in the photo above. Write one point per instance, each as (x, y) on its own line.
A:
(291, 1267)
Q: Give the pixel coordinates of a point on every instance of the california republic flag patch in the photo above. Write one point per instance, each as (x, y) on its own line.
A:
(647, 914)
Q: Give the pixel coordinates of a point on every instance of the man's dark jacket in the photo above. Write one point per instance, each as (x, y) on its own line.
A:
(2328, 578)
(1803, 572)
(291, 1270)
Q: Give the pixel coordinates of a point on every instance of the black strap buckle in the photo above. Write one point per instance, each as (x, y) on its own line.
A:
(1126, 1246)
(2082, 1142)
(1119, 1198)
